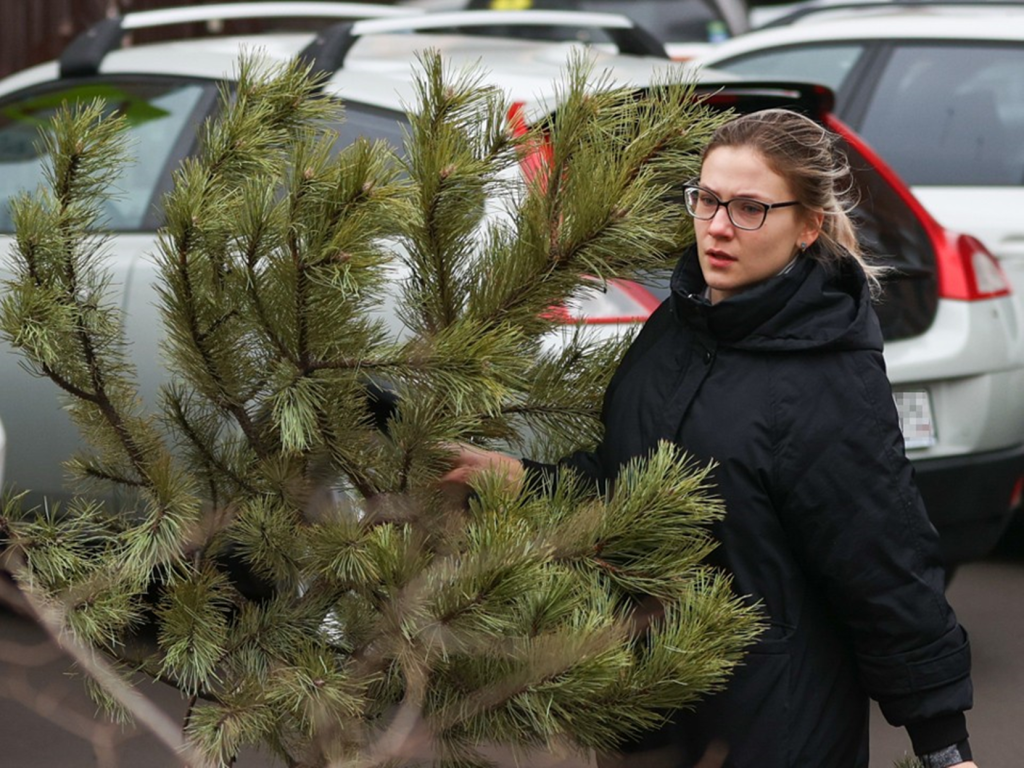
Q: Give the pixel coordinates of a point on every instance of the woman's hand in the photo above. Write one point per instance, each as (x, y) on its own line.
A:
(469, 461)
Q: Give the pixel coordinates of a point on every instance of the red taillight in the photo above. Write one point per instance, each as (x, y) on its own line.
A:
(535, 157)
(966, 270)
(612, 302)
(1017, 494)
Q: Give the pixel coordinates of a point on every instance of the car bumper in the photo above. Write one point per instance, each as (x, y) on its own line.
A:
(969, 499)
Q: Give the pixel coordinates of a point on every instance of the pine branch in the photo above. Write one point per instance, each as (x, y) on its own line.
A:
(313, 588)
(203, 441)
(75, 337)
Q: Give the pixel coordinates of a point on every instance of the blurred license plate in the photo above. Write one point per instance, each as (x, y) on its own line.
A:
(915, 409)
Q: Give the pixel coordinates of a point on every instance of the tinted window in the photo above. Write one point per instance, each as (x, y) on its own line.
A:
(891, 234)
(944, 114)
(160, 117)
(826, 64)
(667, 21)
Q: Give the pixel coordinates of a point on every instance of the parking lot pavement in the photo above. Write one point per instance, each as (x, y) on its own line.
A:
(988, 598)
(46, 720)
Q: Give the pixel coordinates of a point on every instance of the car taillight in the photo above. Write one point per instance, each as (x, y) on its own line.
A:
(969, 272)
(965, 268)
(611, 302)
(608, 302)
(1017, 494)
(534, 158)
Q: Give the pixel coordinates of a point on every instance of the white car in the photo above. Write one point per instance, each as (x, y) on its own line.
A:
(938, 90)
(942, 352)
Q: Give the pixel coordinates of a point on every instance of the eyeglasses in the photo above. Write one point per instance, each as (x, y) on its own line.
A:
(743, 212)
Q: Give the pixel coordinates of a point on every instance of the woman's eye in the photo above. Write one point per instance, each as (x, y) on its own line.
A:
(750, 208)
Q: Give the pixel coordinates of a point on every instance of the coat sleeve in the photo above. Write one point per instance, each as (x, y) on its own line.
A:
(587, 464)
(849, 504)
(595, 465)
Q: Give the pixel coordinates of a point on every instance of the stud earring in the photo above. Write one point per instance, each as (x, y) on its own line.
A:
(803, 247)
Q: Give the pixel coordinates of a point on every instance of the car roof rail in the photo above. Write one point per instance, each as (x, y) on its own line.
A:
(888, 5)
(84, 55)
(327, 52)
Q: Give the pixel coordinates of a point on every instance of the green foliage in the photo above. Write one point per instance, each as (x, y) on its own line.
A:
(311, 587)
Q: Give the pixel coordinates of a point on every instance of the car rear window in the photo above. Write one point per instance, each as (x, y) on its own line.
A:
(951, 114)
(668, 21)
(827, 64)
(161, 117)
(891, 234)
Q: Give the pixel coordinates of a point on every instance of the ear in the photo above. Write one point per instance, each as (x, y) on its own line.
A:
(813, 223)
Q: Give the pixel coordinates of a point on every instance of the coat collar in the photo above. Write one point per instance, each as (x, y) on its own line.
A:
(810, 306)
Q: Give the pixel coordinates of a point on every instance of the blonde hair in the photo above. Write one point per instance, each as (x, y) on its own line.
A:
(806, 155)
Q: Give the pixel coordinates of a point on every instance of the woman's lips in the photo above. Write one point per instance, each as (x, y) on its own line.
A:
(719, 258)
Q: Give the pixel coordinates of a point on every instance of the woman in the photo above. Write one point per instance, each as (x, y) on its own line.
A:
(767, 359)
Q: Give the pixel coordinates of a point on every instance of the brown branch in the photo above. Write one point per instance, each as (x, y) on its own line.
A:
(212, 460)
(216, 324)
(238, 412)
(301, 291)
(99, 396)
(68, 387)
(257, 302)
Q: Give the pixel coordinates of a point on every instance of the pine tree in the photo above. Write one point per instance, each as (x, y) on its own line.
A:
(309, 585)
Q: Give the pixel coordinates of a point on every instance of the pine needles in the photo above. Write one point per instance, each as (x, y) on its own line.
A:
(311, 588)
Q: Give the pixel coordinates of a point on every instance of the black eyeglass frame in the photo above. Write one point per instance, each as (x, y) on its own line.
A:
(719, 203)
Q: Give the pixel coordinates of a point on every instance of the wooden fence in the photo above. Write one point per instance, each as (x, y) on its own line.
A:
(33, 31)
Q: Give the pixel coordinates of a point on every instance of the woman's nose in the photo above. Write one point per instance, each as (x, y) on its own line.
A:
(720, 222)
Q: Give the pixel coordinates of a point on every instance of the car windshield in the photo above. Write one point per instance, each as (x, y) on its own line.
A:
(951, 115)
(157, 114)
(162, 118)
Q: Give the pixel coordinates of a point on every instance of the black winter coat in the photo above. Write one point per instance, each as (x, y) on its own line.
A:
(784, 387)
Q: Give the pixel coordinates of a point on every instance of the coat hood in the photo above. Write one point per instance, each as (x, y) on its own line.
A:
(811, 306)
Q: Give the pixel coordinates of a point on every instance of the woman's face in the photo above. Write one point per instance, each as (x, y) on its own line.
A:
(733, 259)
